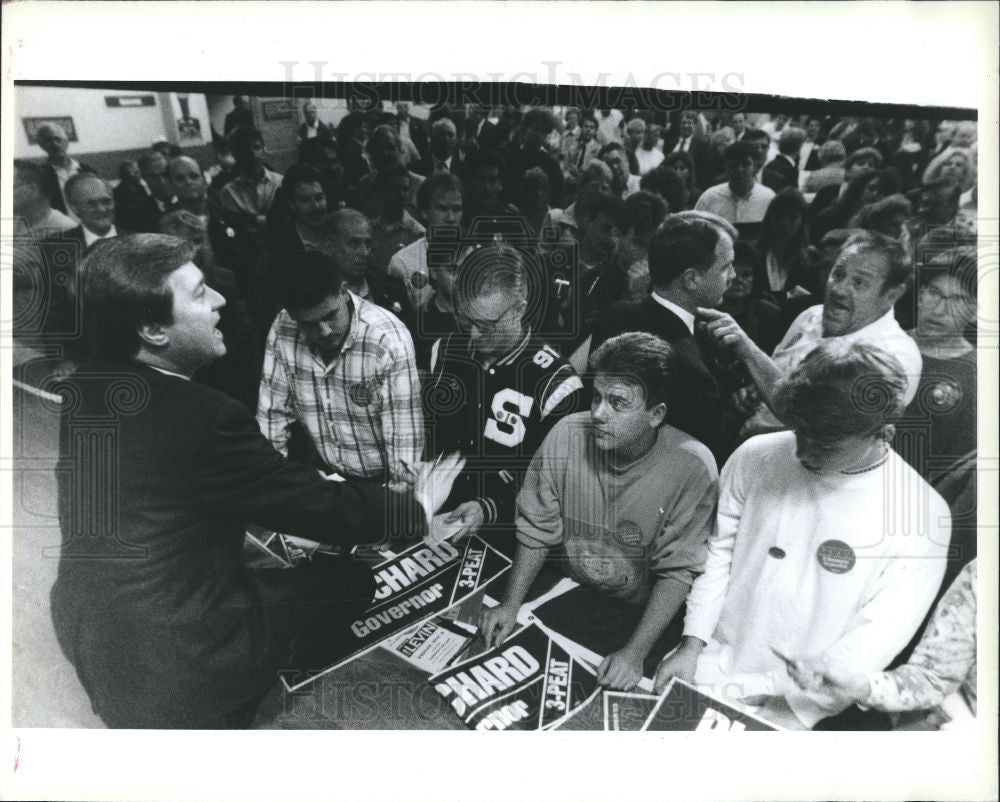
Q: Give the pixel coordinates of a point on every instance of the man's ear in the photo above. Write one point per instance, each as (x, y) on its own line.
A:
(897, 292)
(689, 279)
(887, 432)
(657, 414)
(154, 334)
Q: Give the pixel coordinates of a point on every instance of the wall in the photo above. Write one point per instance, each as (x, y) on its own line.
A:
(107, 136)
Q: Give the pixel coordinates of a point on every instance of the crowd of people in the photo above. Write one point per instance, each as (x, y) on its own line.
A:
(718, 365)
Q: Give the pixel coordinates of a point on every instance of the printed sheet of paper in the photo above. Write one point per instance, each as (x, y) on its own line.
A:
(411, 588)
(431, 646)
(529, 682)
(683, 707)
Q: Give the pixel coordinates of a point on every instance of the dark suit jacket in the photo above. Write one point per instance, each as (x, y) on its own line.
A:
(779, 173)
(52, 189)
(699, 149)
(695, 405)
(323, 130)
(152, 603)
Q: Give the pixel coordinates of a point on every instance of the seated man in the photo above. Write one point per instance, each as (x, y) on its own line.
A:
(870, 275)
(153, 606)
(740, 200)
(344, 369)
(495, 393)
(828, 543)
(628, 500)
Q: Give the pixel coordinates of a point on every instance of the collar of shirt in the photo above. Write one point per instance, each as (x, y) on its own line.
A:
(872, 331)
(89, 237)
(788, 158)
(686, 317)
(71, 169)
(166, 372)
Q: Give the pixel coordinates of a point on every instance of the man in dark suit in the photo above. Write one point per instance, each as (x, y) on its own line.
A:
(164, 624)
(442, 156)
(537, 125)
(687, 139)
(783, 170)
(691, 266)
(59, 167)
(240, 116)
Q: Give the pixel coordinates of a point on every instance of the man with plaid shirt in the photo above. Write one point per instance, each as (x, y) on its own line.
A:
(343, 368)
(495, 390)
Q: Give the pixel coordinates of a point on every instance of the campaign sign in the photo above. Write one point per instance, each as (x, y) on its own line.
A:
(627, 712)
(529, 682)
(415, 585)
(682, 707)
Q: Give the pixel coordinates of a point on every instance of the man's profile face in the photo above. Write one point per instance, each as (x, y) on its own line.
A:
(54, 142)
(445, 210)
(854, 292)
(353, 242)
(713, 282)
(618, 414)
(94, 204)
(194, 339)
(186, 180)
(326, 324)
(588, 129)
(308, 202)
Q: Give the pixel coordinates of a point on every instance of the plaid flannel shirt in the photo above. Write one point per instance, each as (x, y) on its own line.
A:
(363, 410)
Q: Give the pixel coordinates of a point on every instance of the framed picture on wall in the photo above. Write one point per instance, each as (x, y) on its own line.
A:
(277, 109)
(32, 124)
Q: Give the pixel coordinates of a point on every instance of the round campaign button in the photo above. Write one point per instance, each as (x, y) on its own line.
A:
(836, 556)
(778, 554)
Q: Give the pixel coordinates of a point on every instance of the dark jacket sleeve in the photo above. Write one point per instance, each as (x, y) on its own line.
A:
(237, 470)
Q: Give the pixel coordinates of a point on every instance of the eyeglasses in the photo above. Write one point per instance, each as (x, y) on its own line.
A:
(484, 326)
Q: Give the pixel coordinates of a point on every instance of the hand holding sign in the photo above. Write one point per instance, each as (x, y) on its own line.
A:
(680, 663)
(468, 517)
(620, 671)
(496, 623)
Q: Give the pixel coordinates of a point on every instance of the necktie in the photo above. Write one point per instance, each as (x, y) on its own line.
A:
(583, 152)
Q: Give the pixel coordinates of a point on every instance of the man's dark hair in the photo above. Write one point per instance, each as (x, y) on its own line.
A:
(435, 185)
(124, 286)
(668, 185)
(681, 244)
(591, 205)
(312, 277)
(642, 212)
(608, 148)
(243, 137)
(483, 159)
(300, 174)
(540, 119)
(740, 151)
(640, 359)
(754, 135)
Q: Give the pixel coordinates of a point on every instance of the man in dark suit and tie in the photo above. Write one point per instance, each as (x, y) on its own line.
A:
(152, 605)
(691, 266)
(442, 156)
(687, 139)
(783, 170)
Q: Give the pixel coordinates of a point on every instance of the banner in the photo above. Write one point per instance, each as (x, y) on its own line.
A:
(682, 707)
(529, 682)
(412, 587)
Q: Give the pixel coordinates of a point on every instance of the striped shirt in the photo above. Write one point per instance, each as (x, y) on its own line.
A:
(363, 410)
